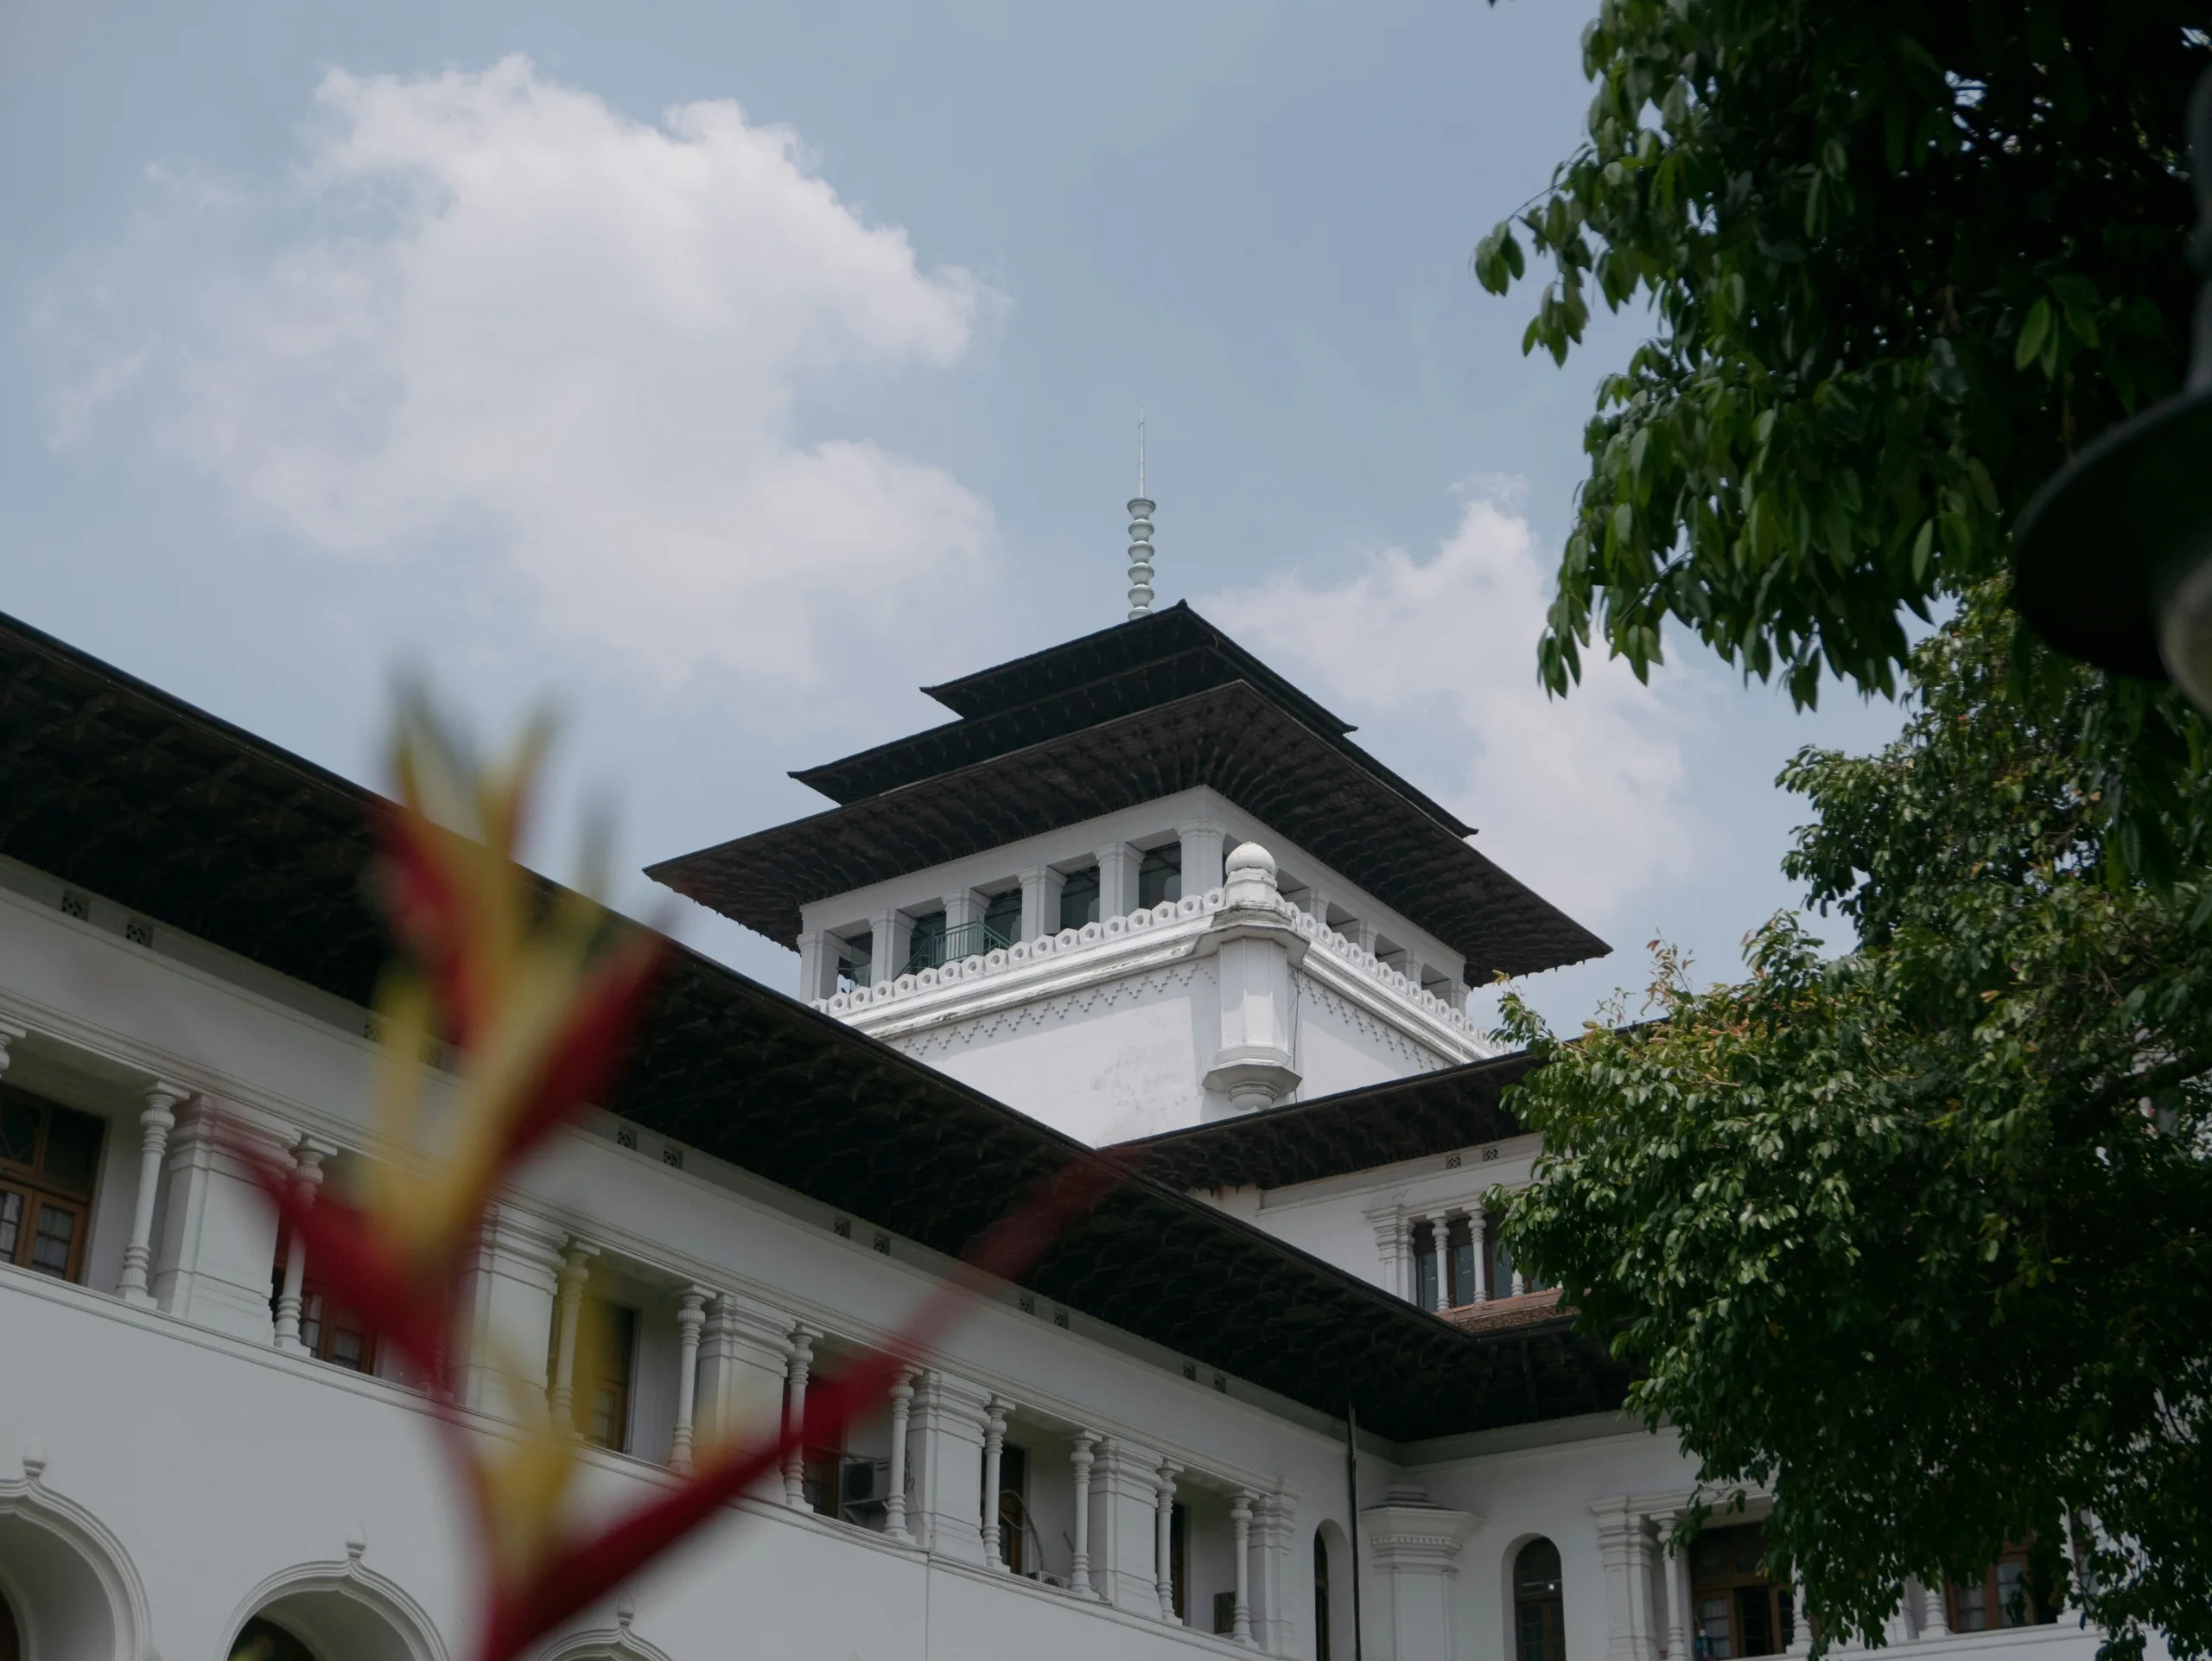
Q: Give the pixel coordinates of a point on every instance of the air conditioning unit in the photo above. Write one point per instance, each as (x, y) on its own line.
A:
(863, 1491)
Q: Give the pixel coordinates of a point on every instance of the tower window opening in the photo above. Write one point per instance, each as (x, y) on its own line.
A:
(853, 957)
(1159, 875)
(1459, 1237)
(928, 947)
(1425, 1289)
(1002, 917)
(1079, 898)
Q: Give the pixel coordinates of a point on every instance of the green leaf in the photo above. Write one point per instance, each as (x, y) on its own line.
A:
(2033, 333)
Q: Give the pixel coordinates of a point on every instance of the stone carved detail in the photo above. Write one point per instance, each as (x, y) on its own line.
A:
(1043, 1013)
(1369, 1026)
(1118, 931)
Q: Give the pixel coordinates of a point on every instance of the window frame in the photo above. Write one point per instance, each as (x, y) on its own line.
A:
(1732, 1583)
(1543, 1601)
(39, 1192)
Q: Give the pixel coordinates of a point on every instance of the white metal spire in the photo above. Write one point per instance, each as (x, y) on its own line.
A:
(1140, 536)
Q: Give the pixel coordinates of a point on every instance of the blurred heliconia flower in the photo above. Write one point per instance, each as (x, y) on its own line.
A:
(536, 992)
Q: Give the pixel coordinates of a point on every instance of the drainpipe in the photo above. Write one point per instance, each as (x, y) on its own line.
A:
(1351, 1464)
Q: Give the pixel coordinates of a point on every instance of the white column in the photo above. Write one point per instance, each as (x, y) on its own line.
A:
(818, 967)
(1080, 1457)
(961, 907)
(1676, 1569)
(1240, 1522)
(744, 1360)
(218, 1236)
(690, 1319)
(575, 1269)
(894, 1503)
(1040, 901)
(1363, 934)
(802, 1366)
(994, 1414)
(1413, 1560)
(1625, 1547)
(1125, 1495)
(1117, 881)
(306, 1168)
(893, 935)
(156, 1121)
(1391, 1230)
(1255, 944)
(948, 1475)
(1164, 1552)
(1284, 1561)
(1203, 842)
(1439, 1229)
(1477, 1225)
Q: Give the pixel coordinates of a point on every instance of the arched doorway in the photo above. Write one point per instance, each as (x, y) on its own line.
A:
(1539, 1609)
(11, 1638)
(263, 1639)
(333, 1612)
(1321, 1651)
(66, 1587)
(1332, 1595)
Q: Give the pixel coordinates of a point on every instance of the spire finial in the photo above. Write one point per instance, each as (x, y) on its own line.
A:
(1140, 538)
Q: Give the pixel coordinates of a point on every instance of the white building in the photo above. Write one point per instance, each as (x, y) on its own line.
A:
(1141, 890)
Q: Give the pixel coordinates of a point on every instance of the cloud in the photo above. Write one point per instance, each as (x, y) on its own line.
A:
(563, 357)
(1584, 798)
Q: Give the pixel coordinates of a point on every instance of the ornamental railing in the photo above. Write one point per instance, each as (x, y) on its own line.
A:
(937, 948)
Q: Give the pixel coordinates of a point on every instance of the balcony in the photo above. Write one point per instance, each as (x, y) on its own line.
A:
(935, 946)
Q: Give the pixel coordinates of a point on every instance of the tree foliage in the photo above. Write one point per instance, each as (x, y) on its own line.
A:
(1917, 1237)
(1901, 260)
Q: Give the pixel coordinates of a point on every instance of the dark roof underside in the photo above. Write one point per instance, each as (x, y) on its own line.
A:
(114, 786)
(1430, 1114)
(1230, 738)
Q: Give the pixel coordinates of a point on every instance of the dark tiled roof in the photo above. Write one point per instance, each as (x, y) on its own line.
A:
(1229, 737)
(1512, 1313)
(1113, 652)
(112, 785)
(1431, 1113)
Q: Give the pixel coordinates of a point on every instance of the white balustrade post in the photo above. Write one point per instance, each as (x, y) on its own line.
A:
(995, 1412)
(1800, 1623)
(306, 1168)
(1081, 1457)
(802, 1364)
(1477, 1225)
(1936, 1621)
(690, 1321)
(894, 1503)
(575, 1269)
(157, 1119)
(1164, 1553)
(1240, 1520)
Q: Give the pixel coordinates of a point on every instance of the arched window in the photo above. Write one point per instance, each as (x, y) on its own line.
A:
(1537, 1633)
(1320, 1597)
(262, 1640)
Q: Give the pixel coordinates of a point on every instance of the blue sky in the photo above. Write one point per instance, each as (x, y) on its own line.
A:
(725, 373)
